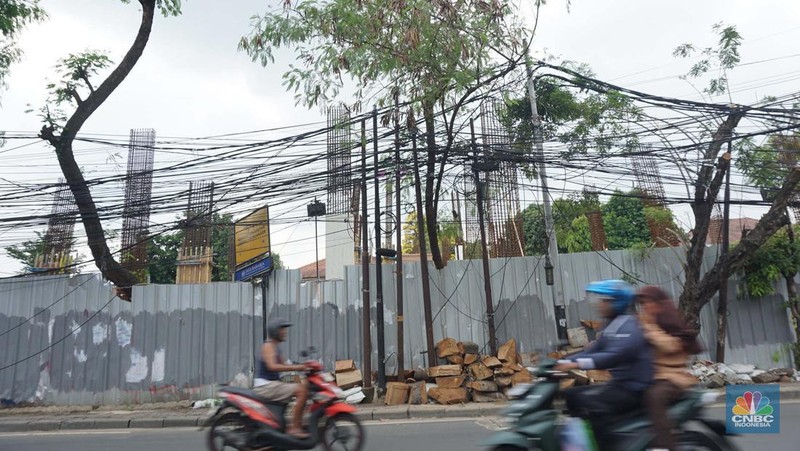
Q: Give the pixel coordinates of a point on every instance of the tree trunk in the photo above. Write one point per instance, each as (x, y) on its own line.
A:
(430, 187)
(793, 302)
(104, 260)
(697, 295)
(706, 191)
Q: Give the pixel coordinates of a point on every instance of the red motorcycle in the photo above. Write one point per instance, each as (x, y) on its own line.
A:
(247, 422)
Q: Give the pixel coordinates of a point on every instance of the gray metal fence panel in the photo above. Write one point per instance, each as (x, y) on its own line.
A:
(63, 342)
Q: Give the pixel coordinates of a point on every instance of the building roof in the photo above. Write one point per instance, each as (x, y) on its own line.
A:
(309, 271)
(737, 228)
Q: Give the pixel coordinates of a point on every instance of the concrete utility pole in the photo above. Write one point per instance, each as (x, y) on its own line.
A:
(399, 244)
(551, 259)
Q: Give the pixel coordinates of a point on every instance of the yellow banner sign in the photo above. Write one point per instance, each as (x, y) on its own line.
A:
(252, 236)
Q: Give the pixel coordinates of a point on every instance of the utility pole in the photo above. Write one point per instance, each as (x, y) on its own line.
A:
(722, 307)
(399, 245)
(365, 304)
(551, 259)
(487, 281)
(423, 257)
(378, 261)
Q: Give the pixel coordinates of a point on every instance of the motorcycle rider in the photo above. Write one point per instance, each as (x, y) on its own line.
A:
(673, 342)
(267, 381)
(621, 348)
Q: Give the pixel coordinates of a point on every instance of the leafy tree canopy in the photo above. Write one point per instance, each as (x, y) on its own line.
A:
(625, 219)
(27, 251)
(14, 16)
(424, 49)
(163, 250)
(580, 118)
(778, 258)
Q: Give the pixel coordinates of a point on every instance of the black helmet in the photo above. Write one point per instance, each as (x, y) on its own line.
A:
(275, 326)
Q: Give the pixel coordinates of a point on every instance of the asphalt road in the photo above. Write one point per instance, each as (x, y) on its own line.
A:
(429, 434)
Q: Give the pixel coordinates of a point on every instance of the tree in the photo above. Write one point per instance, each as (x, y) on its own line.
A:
(778, 258)
(566, 211)
(625, 222)
(434, 54)
(27, 252)
(79, 90)
(162, 257)
(448, 234)
(625, 219)
(723, 57)
(573, 112)
(698, 290)
(276, 261)
(766, 166)
(220, 244)
(14, 16)
(34, 253)
(162, 253)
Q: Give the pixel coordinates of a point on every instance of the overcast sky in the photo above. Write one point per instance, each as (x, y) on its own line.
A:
(192, 82)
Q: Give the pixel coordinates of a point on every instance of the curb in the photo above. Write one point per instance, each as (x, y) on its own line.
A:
(374, 413)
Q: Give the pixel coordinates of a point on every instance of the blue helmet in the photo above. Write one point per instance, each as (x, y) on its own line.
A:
(620, 292)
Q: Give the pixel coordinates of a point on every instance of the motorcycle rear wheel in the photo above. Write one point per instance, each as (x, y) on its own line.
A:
(343, 432)
(230, 427)
(698, 441)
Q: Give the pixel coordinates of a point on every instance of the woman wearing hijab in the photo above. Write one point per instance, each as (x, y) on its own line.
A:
(673, 342)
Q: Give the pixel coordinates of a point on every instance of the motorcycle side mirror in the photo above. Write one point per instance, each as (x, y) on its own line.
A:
(304, 354)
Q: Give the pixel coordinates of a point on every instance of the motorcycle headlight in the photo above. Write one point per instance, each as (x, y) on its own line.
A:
(327, 377)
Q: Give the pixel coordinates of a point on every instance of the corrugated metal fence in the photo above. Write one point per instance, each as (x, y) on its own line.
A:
(67, 341)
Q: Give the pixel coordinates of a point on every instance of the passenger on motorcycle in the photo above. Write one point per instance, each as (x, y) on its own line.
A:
(673, 342)
(621, 348)
(267, 381)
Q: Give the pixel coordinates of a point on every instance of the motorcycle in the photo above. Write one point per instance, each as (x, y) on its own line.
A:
(247, 422)
(535, 424)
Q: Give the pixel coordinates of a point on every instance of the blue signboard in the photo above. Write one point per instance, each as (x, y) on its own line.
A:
(254, 269)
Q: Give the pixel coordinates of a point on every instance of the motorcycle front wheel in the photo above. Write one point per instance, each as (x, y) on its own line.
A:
(343, 432)
(229, 431)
